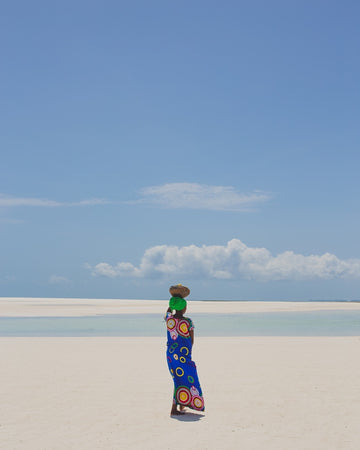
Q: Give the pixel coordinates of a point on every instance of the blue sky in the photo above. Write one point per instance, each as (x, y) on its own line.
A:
(210, 143)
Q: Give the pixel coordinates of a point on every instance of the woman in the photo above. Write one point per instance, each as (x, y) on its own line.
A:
(180, 339)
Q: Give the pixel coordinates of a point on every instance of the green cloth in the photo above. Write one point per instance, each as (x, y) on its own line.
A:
(177, 303)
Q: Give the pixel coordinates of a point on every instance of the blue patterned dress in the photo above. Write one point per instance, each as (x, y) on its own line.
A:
(187, 390)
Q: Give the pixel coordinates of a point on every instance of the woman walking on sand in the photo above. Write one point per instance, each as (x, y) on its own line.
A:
(180, 339)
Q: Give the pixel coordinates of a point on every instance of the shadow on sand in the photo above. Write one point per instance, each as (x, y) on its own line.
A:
(188, 417)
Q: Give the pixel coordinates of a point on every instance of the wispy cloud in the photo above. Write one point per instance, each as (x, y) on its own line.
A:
(57, 279)
(232, 261)
(170, 196)
(201, 196)
(11, 201)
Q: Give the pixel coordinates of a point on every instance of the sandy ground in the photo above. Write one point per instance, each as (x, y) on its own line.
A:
(11, 307)
(277, 393)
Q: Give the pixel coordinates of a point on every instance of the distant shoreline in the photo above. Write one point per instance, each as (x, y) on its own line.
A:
(191, 300)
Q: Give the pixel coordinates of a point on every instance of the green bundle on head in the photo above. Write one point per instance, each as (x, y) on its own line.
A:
(177, 303)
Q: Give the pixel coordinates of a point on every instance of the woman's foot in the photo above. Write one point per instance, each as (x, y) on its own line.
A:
(175, 412)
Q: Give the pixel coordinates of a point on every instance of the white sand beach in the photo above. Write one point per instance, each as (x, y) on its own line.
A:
(39, 307)
(273, 393)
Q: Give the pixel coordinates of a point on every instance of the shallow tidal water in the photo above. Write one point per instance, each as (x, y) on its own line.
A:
(309, 323)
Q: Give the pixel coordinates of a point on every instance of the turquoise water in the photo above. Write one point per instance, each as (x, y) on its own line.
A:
(314, 323)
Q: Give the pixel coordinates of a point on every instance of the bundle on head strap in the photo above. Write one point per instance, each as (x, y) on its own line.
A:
(177, 303)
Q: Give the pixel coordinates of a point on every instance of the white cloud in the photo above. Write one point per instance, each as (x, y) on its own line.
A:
(232, 261)
(57, 279)
(201, 196)
(10, 201)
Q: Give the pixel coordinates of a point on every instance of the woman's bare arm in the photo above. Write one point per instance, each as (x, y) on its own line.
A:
(191, 332)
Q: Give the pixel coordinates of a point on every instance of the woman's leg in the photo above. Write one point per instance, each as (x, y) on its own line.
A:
(174, 411)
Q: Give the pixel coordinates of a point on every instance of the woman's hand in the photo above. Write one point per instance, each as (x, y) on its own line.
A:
(169, 310)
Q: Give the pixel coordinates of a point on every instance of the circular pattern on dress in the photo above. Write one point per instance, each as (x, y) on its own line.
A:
(179, 372)
(183, 395)
(173, 334)
(173, 347)
(182, 359)
(197, 403)
(186, 350)
(191, 379)
(183, 328)
(176, 357)
(171, 324)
